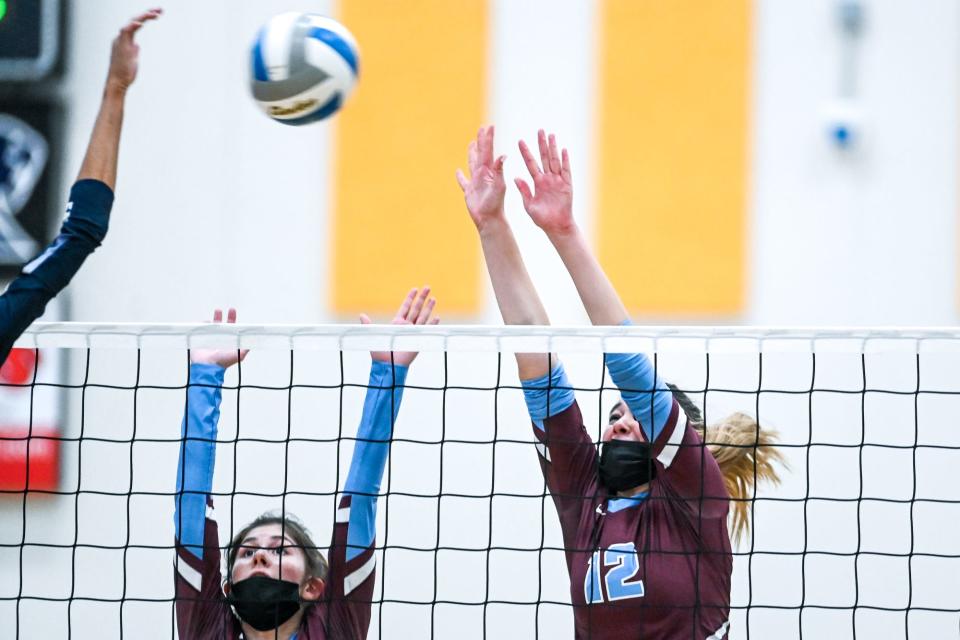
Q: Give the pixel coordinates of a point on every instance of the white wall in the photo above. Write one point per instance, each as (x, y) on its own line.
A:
(217, 205)
(867, 237)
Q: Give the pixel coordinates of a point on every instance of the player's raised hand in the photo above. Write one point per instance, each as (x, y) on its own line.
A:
(485, 189)
(417, 308)
(550, 203)
(125, 52)
(222, 357)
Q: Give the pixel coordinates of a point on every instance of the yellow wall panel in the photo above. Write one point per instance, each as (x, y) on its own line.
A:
(398, 216)
(672, 152)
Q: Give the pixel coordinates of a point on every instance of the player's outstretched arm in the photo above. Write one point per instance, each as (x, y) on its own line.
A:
(351, 553)
(100, 161)
(550, 205)
(388, 373)
(197, 576)
(88, 211)
(198, 435)
(516, 296)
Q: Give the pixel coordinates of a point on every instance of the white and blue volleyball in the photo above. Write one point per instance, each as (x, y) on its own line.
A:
(304, 66)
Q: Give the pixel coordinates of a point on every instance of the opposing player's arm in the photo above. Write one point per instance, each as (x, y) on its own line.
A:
(100, 160)
(516, 296)
(91, 200)
(83, 230)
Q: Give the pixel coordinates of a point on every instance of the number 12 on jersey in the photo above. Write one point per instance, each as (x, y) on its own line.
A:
(623, 564)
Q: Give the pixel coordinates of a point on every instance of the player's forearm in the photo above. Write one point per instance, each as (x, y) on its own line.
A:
(516, 296)
(22, 303)
(380, 409)
(197, 453)
(100, 161)
(600, 299)
(46, 275)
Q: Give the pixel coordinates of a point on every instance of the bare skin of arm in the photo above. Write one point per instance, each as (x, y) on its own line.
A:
(100, 161)
(516, 296)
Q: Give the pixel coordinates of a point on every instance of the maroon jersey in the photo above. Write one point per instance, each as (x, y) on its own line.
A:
(656, 567)
(343, 613)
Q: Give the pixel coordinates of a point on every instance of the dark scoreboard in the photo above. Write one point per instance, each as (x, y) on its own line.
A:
(30, 122)
(29, 38)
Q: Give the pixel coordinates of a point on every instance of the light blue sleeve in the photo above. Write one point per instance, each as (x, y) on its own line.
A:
(198, 445)
(547, 395)
(369, 460)
(649, 399)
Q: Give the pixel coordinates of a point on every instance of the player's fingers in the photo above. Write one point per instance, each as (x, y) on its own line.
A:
(405, 307)
(424, 314)
(231, 315)
(126, 33)
(544, 151)
(434, 320)
(529, 160)
(524, 190)
(487, 157)
(472, 157)
(135, 23)
(481, 144)
(364, 318)
(498, 165)
(462, 180)
(554, 154)
(565, 167)
(218, 315)
(418, 303)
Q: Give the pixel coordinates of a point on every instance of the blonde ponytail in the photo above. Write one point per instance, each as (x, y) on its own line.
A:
(746, 454)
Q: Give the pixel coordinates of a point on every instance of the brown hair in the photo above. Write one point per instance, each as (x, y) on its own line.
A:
(745, 452)
(316, 564)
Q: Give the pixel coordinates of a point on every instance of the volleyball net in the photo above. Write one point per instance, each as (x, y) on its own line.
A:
(858, 540)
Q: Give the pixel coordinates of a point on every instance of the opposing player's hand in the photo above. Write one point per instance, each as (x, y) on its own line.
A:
(221, 357)
(485, 189)
(550, 203)
(125, 52)
(417, 308)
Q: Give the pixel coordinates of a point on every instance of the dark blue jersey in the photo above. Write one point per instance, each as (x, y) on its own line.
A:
(88, 214)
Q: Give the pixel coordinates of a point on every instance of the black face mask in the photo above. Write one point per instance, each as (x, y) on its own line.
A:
(265, 603)
(625, 464)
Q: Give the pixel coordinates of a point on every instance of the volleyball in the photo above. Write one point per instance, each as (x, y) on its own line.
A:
(303, 67)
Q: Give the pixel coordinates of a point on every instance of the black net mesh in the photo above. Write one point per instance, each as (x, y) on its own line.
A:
(857, 540)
